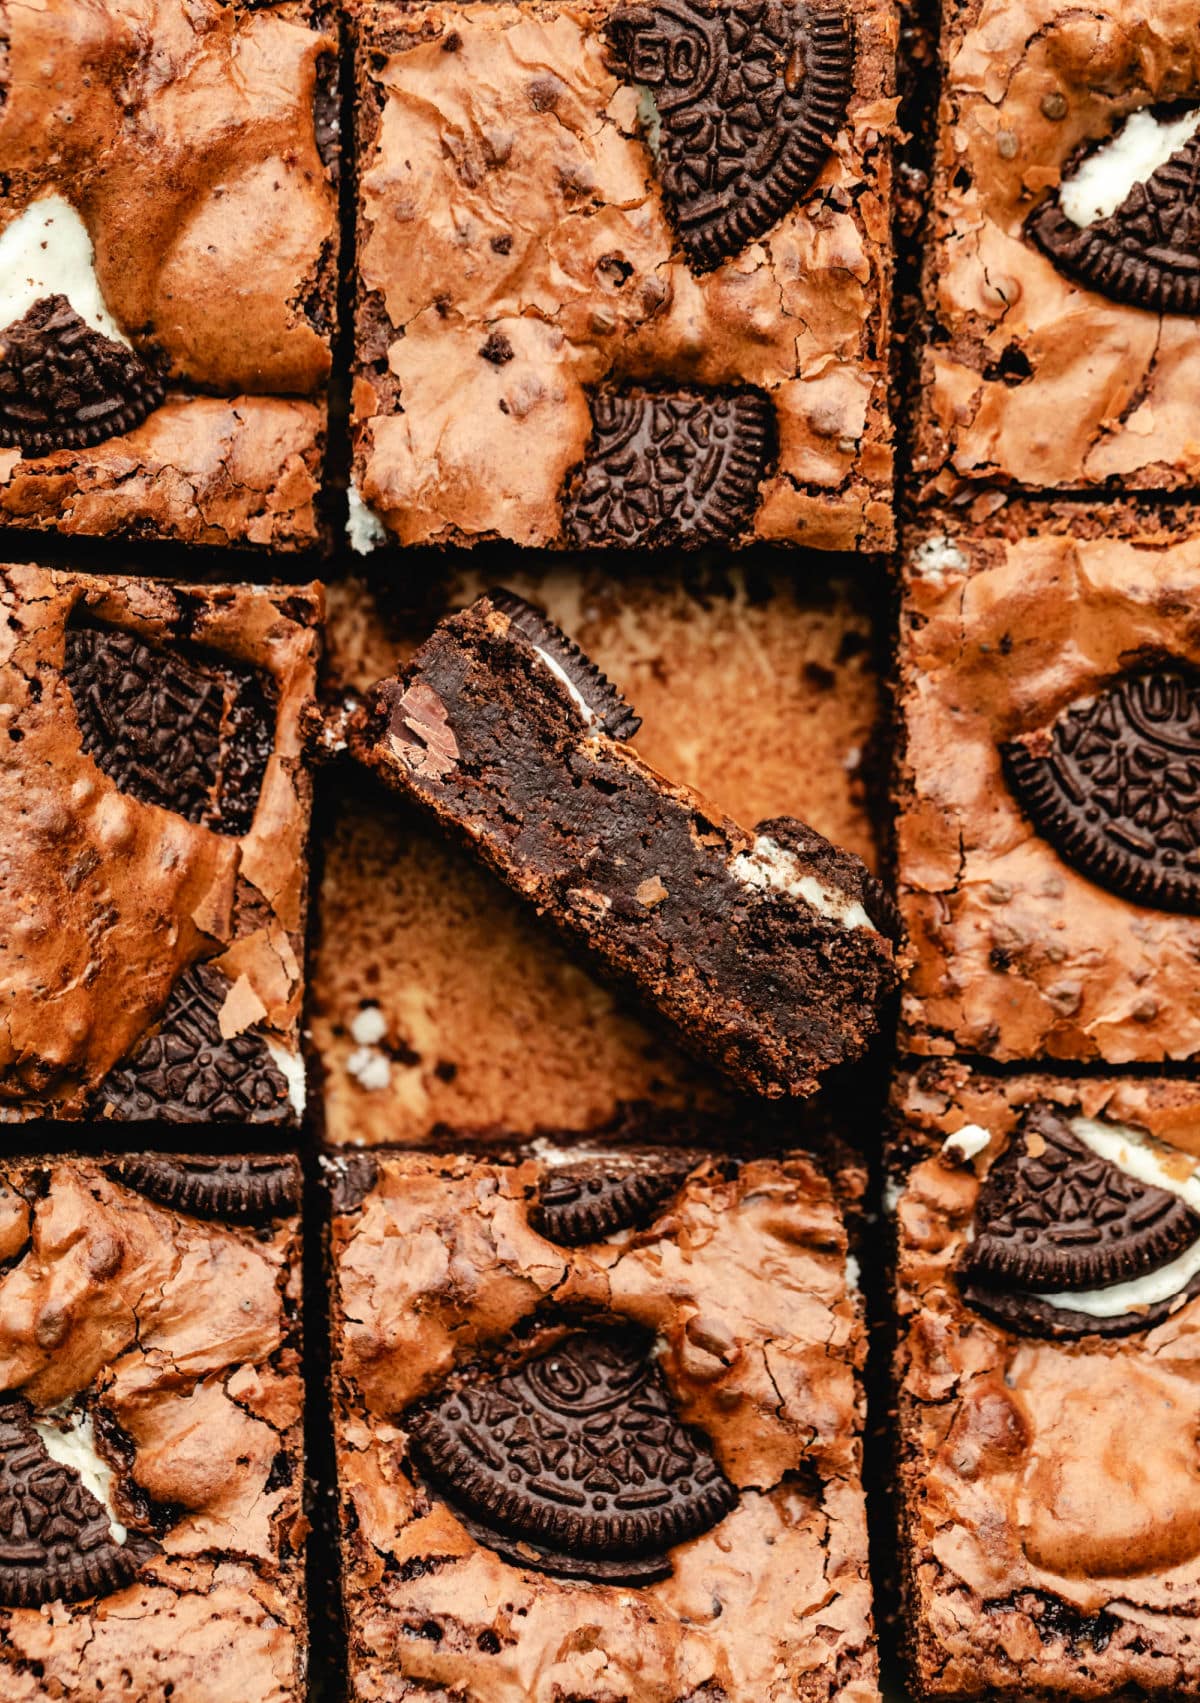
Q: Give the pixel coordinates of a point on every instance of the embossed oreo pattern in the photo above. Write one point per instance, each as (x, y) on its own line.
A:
(1114, 785)
(241, 1190)
(574, 1463)
(663, 467)
(594, 687)
(750, 97)
(593, 1198)
(64, 385)
(187, 1072)
(1147, 253)
(192, 736)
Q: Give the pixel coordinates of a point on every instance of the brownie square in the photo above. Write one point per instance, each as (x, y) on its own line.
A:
(623, 274)
(151, 1430)
(1062, 287)
(168, 268)
(1048, 1305)
(598, 1429)
(1048, 837)
(155, 814)
(751, 685)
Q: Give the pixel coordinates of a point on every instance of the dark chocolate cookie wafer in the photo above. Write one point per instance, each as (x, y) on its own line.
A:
(64, 385)
(575, 1463)
(597, 691)
(747, 99)
(1114, 785)
(242, 1189)
(669, 466)
(595, 1197)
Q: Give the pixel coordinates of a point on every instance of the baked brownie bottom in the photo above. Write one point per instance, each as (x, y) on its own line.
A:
(598, 1430)
(1048, 1306)
(765, 950)
(151, 1430)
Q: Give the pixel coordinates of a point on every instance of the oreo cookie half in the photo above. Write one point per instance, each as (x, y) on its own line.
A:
(185, 1071)
(1147, 252)
(747, 99)
(575, 1463)
(1114, 785)
(56, 1543)
(64, 385)
(251, 1190)
(592, 1198)
(189, 734)
(565, 657)
(669, 467)
(1055, 1219)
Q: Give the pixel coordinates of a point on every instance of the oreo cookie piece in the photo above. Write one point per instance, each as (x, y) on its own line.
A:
(55, 1540)
(251, 1189)
(565, 657)
(186, 1071)
(1114, 785)
(575, 1462)
(747, 99)
(1147, 252)
(188, 733)
(1053, 1218)
(64, 385)
(669, 467)
(592, 1198)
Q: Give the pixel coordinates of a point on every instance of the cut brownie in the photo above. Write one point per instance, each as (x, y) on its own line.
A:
(770, 952)
(151, 1430)
(168, 268)
(1063, 284)
(1049, 837)
(751, 684)
(623, 273)
(598, 1422)
(155, 816)
(1048, 1298)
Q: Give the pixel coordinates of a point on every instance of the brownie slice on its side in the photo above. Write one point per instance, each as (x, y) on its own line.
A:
(771, 952)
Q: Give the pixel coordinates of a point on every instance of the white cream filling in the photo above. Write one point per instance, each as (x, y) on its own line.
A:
(46, 251)
(649, 121)
(769, 866)
(938, 556)
(368, 1026)
(1118, 1298)
(1141, 1157)
(1134, 154)
(853, 1273)
(967, 1142)
(364, 529)
(893, 1194)
(75, 1448)
(549, 1154)
(291, 1066)
(370, 1068)
(556, 668)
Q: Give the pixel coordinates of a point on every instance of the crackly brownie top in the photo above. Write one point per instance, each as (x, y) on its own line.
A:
(685, 1357)
(157, 811)
(1054, 1472)
(194, 142)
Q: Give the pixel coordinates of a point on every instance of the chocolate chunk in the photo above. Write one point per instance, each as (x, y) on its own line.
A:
(1114, 785)
(187, 1072)
(55, 1541)
(1052, 1218)
(64, 385)
(327, 116)
(597, 691)
(190, 734)
(575, 1463)
(669, 466)
(593, 1198)
(249, 1189)
(748, 99)
(1147, 253)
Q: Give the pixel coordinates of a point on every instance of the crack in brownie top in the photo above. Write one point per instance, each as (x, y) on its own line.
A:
(1114, 785)
(64, 385)
(250, 1189)
(574, 1463)
(745, 101)
(191, 735)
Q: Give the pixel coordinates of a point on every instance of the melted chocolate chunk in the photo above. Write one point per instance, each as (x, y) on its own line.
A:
(187, 1072)
(1114, 785)
(662, 467)
(327, 116)
(64, 385)
(55, 1542)
(191, 735)
(1147, 253)
(593, 1198)
(1052, 1218)
(575, 1463)
(596, 689)
(748, 98)
(242, 1190)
